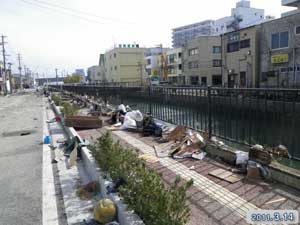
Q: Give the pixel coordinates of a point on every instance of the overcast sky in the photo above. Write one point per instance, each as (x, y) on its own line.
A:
(50, 37)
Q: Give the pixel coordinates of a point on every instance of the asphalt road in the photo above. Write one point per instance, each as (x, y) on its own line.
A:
(21, 160)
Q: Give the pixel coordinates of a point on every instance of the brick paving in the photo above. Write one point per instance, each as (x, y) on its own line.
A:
(205, 209)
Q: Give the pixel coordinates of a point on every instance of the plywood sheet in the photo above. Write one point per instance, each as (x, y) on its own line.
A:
(226, 175)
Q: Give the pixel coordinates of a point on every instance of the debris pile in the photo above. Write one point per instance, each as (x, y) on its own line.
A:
(184, 144)
(87, 191)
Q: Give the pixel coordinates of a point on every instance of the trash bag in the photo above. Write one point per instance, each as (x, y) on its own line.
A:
(129, 123)
(241, 157)
(135, 115)
(150, 127)
(105, 211)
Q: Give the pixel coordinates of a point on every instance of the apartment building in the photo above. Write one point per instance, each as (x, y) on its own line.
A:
(125, 63)
(291, 3)
(240, 57)
(202, 61)
(280, 51)
(242, 16)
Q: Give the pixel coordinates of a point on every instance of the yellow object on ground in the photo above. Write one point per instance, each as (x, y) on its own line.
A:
(149, 158)
(105, 211)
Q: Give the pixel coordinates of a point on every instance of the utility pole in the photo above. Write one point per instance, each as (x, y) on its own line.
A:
(4, 63)
(56, 76)
(20, 71)
(25, 72)
(9, 76)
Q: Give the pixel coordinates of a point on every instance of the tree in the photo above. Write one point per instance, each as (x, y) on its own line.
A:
(75, 78)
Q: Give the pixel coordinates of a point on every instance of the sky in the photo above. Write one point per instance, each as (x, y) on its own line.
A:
(49, 37)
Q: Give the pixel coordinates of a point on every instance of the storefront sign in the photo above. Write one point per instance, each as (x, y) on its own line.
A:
(282, 58)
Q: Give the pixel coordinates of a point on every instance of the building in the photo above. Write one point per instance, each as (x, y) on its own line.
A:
(94, 74)
(125, 63)
(280, 52)
(189, 32)
(202, 61)
(174, 66)
(242, 16)
(240, 57)
(153, 60)
(291, 3)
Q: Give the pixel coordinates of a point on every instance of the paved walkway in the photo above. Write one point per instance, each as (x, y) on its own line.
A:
(21, 160)
(210, 188)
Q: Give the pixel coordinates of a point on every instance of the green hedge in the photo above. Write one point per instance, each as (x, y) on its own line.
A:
(69, 109)
(57, 100)
(144, 191)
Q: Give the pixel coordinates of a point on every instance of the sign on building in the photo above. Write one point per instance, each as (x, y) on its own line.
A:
(282, 58)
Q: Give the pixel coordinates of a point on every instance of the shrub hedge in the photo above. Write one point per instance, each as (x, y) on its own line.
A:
(144, 190)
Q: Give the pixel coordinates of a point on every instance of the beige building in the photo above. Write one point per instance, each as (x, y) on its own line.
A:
(240, 57)
(202, 61)
(125, 63)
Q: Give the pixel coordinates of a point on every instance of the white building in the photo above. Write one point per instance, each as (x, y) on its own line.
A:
(94, 74)
(291, 3)
(242, 16)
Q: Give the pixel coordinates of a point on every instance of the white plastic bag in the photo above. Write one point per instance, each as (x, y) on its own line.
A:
(128, 123)
(241, 157)
(135, 115)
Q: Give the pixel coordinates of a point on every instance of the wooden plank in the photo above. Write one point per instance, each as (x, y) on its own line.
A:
(226, 175)
(216, 172)
(234, 178)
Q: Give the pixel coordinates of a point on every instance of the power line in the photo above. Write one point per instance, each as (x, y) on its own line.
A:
(78, 11)
(57, 11)
(64, 13)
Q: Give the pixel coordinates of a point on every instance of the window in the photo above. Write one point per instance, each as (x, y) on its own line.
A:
(179, 55)
(245, 43)
(193, 65)
(180, 67)
(217, 63)
(115, 67)
(298, 30)
(216, 49)
(115, 55)
(194, 51)
(148, 61)
(203, 81)
(172, 58)
(233, 47)
(233, 37)
(217, 80)
(194, 80)
(280, 40)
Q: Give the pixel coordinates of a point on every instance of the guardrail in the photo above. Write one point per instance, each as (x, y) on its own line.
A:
(247, 116)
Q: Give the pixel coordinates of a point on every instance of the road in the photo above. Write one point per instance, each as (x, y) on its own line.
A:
(21, 160)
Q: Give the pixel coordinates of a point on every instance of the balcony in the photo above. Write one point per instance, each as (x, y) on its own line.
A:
(292, 3)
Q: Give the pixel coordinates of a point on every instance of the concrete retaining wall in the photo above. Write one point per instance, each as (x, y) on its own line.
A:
(125, 217)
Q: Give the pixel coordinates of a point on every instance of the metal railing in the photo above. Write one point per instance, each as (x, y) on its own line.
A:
(247, 116)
